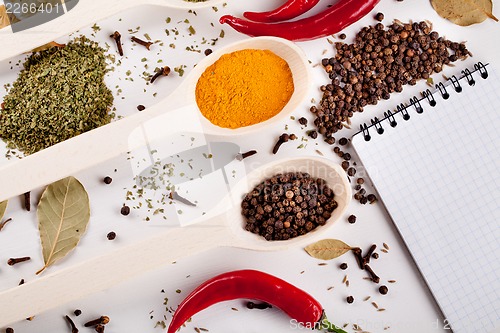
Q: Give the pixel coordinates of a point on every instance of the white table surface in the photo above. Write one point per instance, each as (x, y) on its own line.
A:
(137, 305)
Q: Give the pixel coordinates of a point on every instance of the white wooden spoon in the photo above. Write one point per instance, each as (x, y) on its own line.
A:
(227, 229)
(85, 12)
(176, 113)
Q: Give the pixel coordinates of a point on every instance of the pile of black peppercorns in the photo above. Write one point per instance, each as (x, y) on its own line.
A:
(288, 205)
(379, 62)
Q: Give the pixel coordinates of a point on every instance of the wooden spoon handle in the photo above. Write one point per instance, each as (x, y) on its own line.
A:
(96, 146)
(85, 12)
(73, 283)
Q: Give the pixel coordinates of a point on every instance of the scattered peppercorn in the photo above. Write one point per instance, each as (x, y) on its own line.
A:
(293, 137)
(383, 290)
(360, 181)
(346, 156)
(343, 141)
(375, 255)
(372, 198)
(343, 266)
(141, 107)
(379, 17)
(342, 36)
(350, 299)
(351, 172)
(77, 312)
(303, 121)
(345, 165)
(208, 52)
(125, 210)
(313, 134)
(380, 61)
(107, 180)
(351, 219)
(9, 330)
(111, 235)
(288, 205)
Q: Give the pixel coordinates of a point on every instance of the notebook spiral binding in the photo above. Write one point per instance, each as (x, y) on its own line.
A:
(415, 102)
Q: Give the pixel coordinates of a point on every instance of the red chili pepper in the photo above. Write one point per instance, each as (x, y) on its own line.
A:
(289, 10)
(328, 22)
(252, 284)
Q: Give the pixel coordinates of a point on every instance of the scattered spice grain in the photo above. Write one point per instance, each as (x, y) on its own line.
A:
(9, 330)
(343, 266)
(111, 235)
(208, 52)
(350, 299)
(27, 201)
(141, 107)
(77, 312)
(351, 219)
(379, 17)
(107, 180)
(303, 121)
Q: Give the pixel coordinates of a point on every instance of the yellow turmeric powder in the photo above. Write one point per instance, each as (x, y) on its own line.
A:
(244, 88)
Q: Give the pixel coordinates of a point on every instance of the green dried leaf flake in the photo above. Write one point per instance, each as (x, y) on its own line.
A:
(327, 249)
(63, 215)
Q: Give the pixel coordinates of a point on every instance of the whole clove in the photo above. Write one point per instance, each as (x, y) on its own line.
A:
(242, 156)
(372, 274)
(142, 42)
(366, 258)
(260, 306)
(282, 139)
(102, 320)
(71, 324)
(164, 71)
(13, 261)
(2, 224)
(27, 201)
(358, 255)
(117, 37)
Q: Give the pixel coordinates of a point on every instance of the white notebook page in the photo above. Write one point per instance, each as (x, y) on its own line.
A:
(438, 176)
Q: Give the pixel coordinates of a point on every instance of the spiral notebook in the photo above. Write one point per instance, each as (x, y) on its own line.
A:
(435, 164)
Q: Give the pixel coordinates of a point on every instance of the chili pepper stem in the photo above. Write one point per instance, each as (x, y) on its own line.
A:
(329, 327)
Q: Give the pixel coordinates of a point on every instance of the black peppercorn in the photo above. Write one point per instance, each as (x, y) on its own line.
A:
(9, 330)
(303, 121)
(208, 52)
(107, 180)
(351, 171)
(375, 255)
(345, 165)
(351, 219)
(343, 266)
(379, 17)
(313, 134)
(141, 107)
(111, 235)
(125, 210)
(346, 156)
(77, 312)
(342, 36)
(383, 290)
(350, 299)
(343, 141)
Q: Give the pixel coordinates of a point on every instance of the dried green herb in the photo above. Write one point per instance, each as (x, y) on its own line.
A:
(59, 94)
(63, 216)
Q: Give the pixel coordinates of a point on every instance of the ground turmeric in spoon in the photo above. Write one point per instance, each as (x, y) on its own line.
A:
(244, 88)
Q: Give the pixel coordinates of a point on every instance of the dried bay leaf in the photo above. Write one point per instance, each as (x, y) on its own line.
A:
(464, 12)
(327, 249)
(63, 216)
(3, 207)
(4, 19)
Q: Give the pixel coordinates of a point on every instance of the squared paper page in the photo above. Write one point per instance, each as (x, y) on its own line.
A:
(438, 176)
